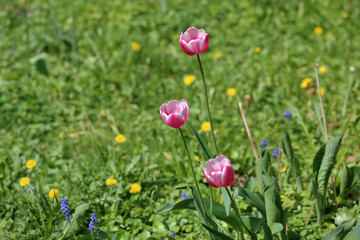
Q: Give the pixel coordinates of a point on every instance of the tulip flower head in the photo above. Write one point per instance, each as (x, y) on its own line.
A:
(219, 172)
(175, 113)
(194, 41)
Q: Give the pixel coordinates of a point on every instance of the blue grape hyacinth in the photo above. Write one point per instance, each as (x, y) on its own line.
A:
(184, 196)
(264, 143)
(93, 223)
(66, 210)
(287, 115)
(276, 153)
(172, 234)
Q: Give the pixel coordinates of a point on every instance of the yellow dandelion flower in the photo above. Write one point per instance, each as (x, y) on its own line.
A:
(197, 158)
(175, 37)
(205, 126)
(31, 163)
(257, 49)
(120, 138)
(24, 181)
(282, 196)
(231, 92)
(135, 188)
(217, 55)
(283, 169)
(318, 30)
(53, 193)
(189, 79)
(305, 83)
(345, 15)
(136, 46)
(111, 181)
(322, 69)
(322, 91)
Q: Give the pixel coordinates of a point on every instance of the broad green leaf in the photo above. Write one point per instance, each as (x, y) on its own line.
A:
(253, 236)
(331, 150)
(341, 231)
(253, 199)
(251, 184)
(261, 167)
(318, 158)
(354, 234)
(319, 204)
(40, 63)
(344, 179)
(276, 228)
(294, 162)
(253, 223)
(289, 152)
(272, 212)
(202, 143)
(273, 205)
(354, 175)
(293, 235)
(267, 232)
(217, 233)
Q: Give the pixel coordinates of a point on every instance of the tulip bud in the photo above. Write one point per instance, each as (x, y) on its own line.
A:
(219, 172)
(194, 41)
(175, 113)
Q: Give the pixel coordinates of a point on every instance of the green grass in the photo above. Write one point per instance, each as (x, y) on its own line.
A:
(64, 111)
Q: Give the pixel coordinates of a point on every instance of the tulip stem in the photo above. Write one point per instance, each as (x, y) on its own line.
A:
(207, 105)
(192, 169)
(237, 212)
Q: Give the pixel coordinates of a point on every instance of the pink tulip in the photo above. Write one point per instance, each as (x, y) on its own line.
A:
(194, 41)
(175, 113)
(219, 172)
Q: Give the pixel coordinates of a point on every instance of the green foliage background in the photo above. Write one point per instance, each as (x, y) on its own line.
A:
(70, 82)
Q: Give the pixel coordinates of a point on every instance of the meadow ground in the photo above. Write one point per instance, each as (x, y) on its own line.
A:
(74, 75)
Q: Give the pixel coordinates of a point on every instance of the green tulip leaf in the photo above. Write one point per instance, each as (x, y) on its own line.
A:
(341, 231)
(202, 143)
(227, 201)
(252, 222)
(217, 233)
(354, 234)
